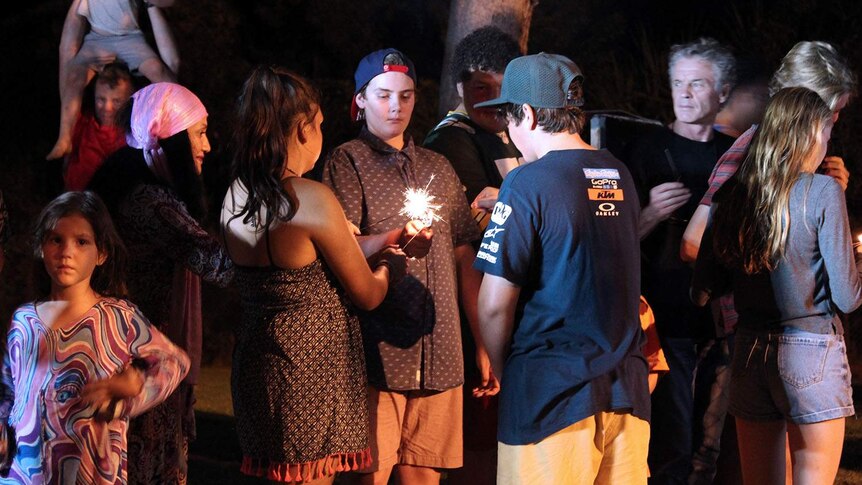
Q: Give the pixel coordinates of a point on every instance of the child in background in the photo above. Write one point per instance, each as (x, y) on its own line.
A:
(97, 33)
(98, 134)
(81, 361)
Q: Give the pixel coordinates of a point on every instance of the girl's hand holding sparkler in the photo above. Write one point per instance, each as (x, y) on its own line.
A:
(415, 239)
(394, 260)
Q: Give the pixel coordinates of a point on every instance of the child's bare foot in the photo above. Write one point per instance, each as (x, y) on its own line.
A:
(62, 148)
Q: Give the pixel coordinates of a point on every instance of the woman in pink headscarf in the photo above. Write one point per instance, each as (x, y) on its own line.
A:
(153, 190)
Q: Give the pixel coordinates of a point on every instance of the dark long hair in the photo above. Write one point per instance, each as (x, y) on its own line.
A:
(108, 278)
(125, 169)
(271, 105)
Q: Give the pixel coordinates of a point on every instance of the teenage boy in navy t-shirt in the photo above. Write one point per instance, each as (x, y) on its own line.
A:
(558, 306)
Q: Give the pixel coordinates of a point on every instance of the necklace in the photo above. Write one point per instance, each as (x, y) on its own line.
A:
(290, 171)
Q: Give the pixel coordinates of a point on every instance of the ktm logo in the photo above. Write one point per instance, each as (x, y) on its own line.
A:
(605, 194)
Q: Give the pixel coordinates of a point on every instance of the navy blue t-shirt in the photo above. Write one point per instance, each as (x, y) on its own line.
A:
(565, 230)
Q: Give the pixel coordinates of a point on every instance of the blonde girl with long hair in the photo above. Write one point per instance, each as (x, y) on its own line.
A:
(779, 238)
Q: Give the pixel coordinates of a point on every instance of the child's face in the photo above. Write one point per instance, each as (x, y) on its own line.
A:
(70, 254)
(109, 100)
(388, 104)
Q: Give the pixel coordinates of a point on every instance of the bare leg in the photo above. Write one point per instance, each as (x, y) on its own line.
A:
(156, 71)
(418, 475)
(761, 451)
(72, 86)
(380, 477)
(816, 450)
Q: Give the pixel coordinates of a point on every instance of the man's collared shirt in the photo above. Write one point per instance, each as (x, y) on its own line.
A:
(413, 339)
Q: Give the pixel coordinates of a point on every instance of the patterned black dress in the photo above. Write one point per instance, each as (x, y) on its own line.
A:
(298, 380)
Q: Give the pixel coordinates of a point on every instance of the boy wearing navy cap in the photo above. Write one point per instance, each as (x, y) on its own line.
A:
(558, 306)
(413, 340)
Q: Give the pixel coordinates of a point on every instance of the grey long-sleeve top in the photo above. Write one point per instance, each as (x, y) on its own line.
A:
(819, 273)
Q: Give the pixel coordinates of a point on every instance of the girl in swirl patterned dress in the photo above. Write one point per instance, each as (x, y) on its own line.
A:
(80, 362)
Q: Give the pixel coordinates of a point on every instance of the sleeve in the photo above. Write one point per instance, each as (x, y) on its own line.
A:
(163, 364)
(843, 263)
(164, 220)
(727, 165)
(340, 175)
(456, 145)
(710, 276)
(507, 247)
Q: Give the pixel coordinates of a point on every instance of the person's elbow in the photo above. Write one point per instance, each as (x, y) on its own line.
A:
(699, 297)
(370, 297)
(848, 303)
(688, 251)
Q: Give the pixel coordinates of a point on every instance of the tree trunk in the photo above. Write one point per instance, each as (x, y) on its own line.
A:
(465, 16)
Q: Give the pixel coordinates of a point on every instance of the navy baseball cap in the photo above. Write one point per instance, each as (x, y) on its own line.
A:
(541, 80)
(372, 66)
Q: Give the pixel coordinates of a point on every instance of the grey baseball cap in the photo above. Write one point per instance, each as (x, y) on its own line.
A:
(541, 80)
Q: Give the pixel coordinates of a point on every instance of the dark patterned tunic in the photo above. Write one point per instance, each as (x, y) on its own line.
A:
(169, 253)
(298, 377)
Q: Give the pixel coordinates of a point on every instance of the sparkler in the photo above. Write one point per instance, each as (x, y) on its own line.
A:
(419, 205)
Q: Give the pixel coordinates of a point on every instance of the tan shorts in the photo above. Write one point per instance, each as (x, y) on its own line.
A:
(418, 428)
(606, 448)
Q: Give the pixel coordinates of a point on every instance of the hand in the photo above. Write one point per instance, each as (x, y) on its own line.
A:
(415, 239)
(834, 167)
(490, 386)
(486, 199)
(104, 393)
(352, 228)
(395, 260)
(668, 197)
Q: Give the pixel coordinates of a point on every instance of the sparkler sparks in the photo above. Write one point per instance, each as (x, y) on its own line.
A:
(419, 205)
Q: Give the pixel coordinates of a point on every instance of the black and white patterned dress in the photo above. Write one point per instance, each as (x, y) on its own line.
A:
(298, 380)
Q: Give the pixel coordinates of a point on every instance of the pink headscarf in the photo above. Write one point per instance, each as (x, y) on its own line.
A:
(161, 110)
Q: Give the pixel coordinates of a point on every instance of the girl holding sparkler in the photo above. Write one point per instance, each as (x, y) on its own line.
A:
(298, 380)
(780, 240)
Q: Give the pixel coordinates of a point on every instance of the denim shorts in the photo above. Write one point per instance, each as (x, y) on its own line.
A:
(797, 376)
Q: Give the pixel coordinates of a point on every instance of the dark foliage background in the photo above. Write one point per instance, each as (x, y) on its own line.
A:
(621, 45)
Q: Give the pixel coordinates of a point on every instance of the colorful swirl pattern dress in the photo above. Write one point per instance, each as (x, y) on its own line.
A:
(44, 370)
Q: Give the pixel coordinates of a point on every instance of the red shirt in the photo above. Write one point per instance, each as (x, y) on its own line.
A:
(91, 144)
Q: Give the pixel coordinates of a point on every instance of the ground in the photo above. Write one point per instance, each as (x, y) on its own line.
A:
(215, 456)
